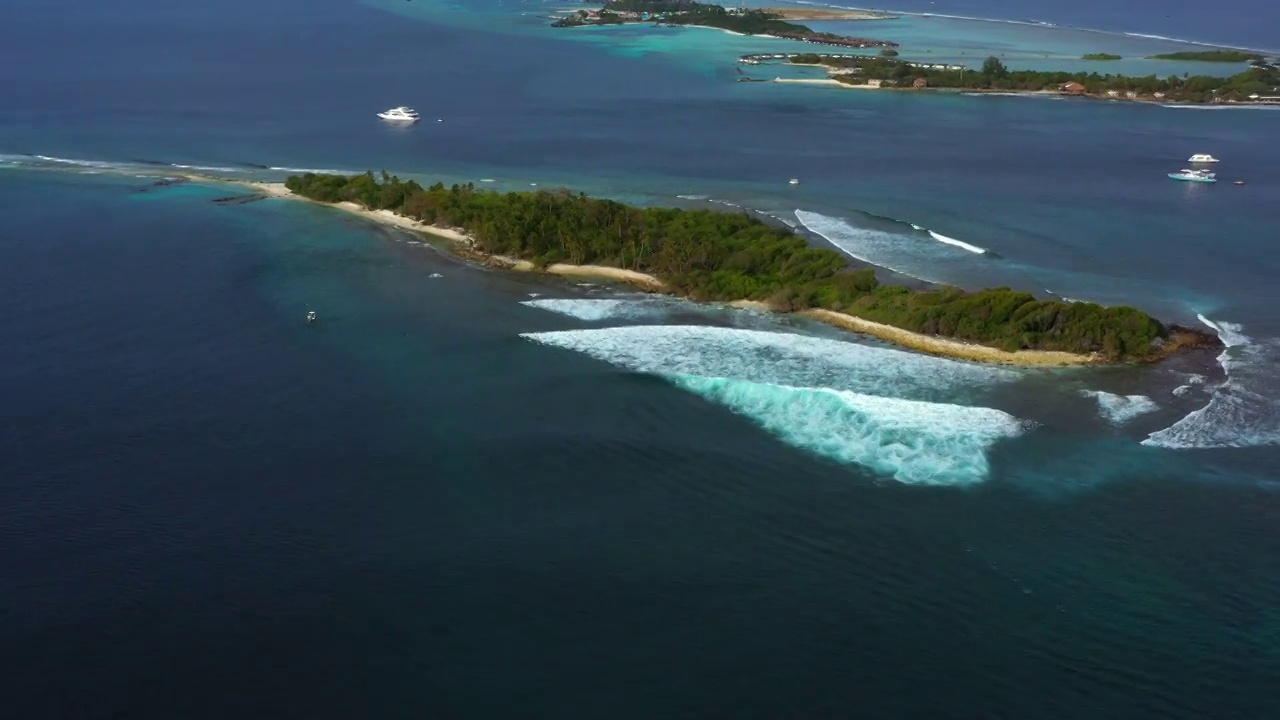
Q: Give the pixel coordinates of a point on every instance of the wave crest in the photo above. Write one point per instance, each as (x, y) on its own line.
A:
(777, 358)
(601, 309)
(911, 441)
(1120, 409)
(1243, 411)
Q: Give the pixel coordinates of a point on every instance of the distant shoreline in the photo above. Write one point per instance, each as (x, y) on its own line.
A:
(464, 246)
(796, 13)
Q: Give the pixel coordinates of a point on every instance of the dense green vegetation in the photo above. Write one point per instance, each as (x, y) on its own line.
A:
(721, 256)
(580, 18)
(685, 12)
(1101, 56)
(747, 21)
(1231, 56)
(1260, 79)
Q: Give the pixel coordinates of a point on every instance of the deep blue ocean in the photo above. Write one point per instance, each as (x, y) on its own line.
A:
(467, 493)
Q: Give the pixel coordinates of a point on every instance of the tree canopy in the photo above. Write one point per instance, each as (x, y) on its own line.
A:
(713, 255)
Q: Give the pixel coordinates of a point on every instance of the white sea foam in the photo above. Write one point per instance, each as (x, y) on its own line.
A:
(320, 171)
(1244, 410)
(870, 246)
(602, 309)
(777, 358)
(79, 163)
(958, 243)
(909, 440)
(1120, 409)
(208, 168)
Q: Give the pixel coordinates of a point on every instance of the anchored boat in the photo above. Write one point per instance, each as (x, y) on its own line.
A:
(400, 114)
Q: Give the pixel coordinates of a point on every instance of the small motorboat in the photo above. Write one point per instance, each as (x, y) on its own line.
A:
(311, 316)
(1239, 182)
(1202, 158)
(794, 181)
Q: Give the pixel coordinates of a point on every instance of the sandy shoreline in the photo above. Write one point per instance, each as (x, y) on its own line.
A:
(830, 82)
(794, 13)
(466, 242)
(905, 338)
(950, 348)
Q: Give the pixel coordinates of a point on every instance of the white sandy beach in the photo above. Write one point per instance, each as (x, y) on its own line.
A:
(387, 217)
(830, 82)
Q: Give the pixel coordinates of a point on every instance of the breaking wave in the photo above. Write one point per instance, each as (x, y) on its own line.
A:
(893, 412)
(777, 357)
(1120, 409)
(602, 309)
(317, 171)
(207, 168)
(1244, 410)
(902, 252)
(911, 441)
(958, 243)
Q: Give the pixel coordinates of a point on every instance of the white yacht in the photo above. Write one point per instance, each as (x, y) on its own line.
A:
(400, 114)
(1202, 158)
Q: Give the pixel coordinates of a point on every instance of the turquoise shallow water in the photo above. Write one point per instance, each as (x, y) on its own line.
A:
(465, 495)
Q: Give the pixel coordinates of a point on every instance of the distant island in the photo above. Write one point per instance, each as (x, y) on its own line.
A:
(746, 21)
(1258, 84)
(718, 256)
(1226, 56)
(1101, 56)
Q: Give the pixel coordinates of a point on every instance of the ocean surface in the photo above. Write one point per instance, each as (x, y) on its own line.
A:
(467, 493)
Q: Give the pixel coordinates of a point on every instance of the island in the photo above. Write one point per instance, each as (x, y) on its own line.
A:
(747, 21)
(718, 256)
(1101, 56)
(1227, 56)
(1260, 83)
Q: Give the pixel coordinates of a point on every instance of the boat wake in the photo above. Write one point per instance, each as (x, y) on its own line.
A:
(896, 413)
(1244, 410)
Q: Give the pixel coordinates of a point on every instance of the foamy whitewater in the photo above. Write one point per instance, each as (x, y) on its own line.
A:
(900, 253)
(1120, 409)
(879, 408)
(604, 308)
(911, 441)
(1244, 410)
